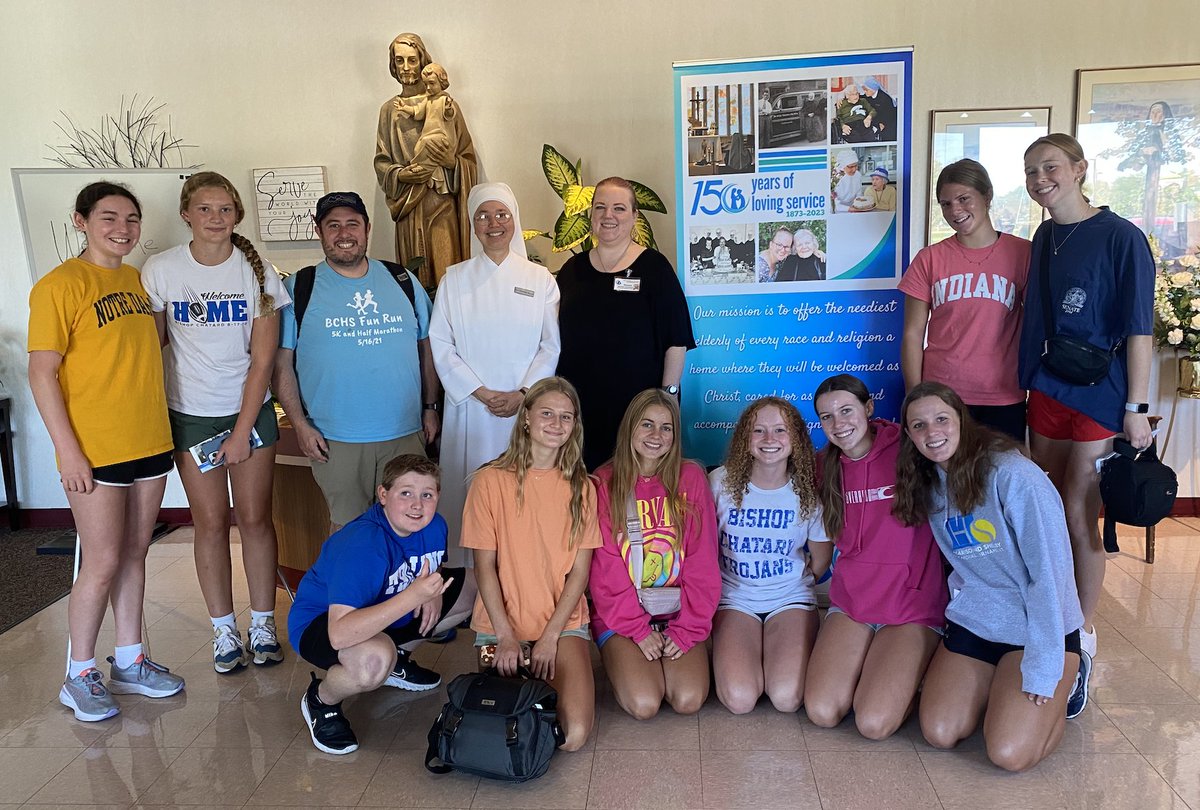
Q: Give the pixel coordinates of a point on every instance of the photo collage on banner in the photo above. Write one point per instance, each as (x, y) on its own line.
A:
(793, 231)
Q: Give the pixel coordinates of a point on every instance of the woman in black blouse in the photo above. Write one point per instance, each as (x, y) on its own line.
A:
(623, 319)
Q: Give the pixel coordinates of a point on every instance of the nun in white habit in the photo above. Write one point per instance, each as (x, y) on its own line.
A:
(494, 332)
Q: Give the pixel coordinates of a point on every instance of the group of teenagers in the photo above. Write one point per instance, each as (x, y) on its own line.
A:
(551, 543)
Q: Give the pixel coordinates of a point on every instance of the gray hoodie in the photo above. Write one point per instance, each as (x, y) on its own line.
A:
(1013, 579)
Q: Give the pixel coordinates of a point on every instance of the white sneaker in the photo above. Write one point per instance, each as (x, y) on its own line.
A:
(264, 644)
(229, 652)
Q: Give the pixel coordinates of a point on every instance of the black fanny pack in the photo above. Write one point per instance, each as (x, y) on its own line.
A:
(1071, 359)
(1075, 361)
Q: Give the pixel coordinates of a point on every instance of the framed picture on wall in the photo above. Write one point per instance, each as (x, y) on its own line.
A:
(996, 138)
(1140, 130)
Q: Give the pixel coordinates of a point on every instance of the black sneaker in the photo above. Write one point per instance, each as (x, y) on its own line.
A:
(328, 727)
(410, 675)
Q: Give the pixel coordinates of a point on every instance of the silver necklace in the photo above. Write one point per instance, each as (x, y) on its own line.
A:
(1059, 245)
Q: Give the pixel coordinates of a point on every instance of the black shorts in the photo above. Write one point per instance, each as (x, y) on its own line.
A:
(314, 646)
(1008, 419)
(140, 469)
(960, 640)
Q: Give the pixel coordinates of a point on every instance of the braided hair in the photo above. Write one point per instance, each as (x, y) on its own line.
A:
(266, 301)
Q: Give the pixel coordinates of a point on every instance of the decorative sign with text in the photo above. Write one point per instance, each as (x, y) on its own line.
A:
(793, 222)
(286, 200)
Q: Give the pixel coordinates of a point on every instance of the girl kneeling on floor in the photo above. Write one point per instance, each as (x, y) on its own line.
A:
(888, 591)
(770, 526)
(530, 516)
(655, 581)
(1011, 651)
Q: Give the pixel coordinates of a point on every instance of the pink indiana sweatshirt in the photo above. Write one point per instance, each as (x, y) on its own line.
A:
(674, 556)
(884, 572)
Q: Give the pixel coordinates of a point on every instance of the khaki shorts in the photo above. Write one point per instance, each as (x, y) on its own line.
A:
(349, 478)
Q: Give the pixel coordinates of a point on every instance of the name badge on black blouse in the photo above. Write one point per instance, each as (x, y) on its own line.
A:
(627, 284)
(523, 291)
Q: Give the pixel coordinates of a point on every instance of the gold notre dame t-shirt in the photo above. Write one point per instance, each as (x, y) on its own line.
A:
(111, 376)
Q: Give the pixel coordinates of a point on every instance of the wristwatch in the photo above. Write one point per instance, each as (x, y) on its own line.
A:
(432, 406)
(673, 390)
(1137, 407)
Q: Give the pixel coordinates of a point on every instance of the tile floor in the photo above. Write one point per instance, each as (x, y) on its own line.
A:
(238, 740)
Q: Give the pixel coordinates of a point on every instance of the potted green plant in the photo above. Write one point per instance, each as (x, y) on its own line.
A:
(573, 230)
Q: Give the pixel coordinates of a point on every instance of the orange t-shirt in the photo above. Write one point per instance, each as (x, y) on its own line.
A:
(531, 541)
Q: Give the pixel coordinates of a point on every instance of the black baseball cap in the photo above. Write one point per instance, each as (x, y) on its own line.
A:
(341, 199)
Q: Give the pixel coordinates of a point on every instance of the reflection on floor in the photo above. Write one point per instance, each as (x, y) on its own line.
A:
(238, 740)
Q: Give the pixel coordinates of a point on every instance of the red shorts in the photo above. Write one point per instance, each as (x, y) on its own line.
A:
(1050, 418)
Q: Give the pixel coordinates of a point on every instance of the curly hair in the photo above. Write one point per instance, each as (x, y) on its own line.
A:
(739, 463)
(199, 180)
(625, 466)
(833, 506)
(518, 456)
(438, 71)
(966, 471)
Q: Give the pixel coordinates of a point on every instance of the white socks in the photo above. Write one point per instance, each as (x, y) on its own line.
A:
(77, 668)
(123, 657)
(127, 656)
(1087, 641)
(256, 617)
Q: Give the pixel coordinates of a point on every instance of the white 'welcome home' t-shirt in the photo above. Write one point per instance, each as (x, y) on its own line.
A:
(210, 312)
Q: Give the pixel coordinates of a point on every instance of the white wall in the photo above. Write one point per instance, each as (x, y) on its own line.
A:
(300, 83)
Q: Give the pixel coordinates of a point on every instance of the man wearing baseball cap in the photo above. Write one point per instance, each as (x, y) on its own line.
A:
(354, 370)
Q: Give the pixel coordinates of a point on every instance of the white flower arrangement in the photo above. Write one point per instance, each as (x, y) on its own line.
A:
(1177, 301)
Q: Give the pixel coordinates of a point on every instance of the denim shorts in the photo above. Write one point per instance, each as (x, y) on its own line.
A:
(875, 628)
(489, 638)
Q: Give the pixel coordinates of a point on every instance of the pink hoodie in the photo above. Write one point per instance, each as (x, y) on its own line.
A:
(614, 599)
(884, 572)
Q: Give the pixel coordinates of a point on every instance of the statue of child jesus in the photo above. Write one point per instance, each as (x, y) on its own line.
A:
(435, 108)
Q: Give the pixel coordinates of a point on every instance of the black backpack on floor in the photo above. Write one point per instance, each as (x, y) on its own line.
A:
(498, 727)
(1137, 489)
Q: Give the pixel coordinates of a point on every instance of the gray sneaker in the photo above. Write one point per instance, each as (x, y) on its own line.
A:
(144, 677)
(229, 652)
(86, 696)
(264, 644)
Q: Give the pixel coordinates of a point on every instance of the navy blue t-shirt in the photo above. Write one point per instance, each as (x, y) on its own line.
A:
(362, 564)
(1102, 291)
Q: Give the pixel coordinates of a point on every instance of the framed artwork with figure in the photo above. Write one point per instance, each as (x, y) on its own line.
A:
(1140, 129)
